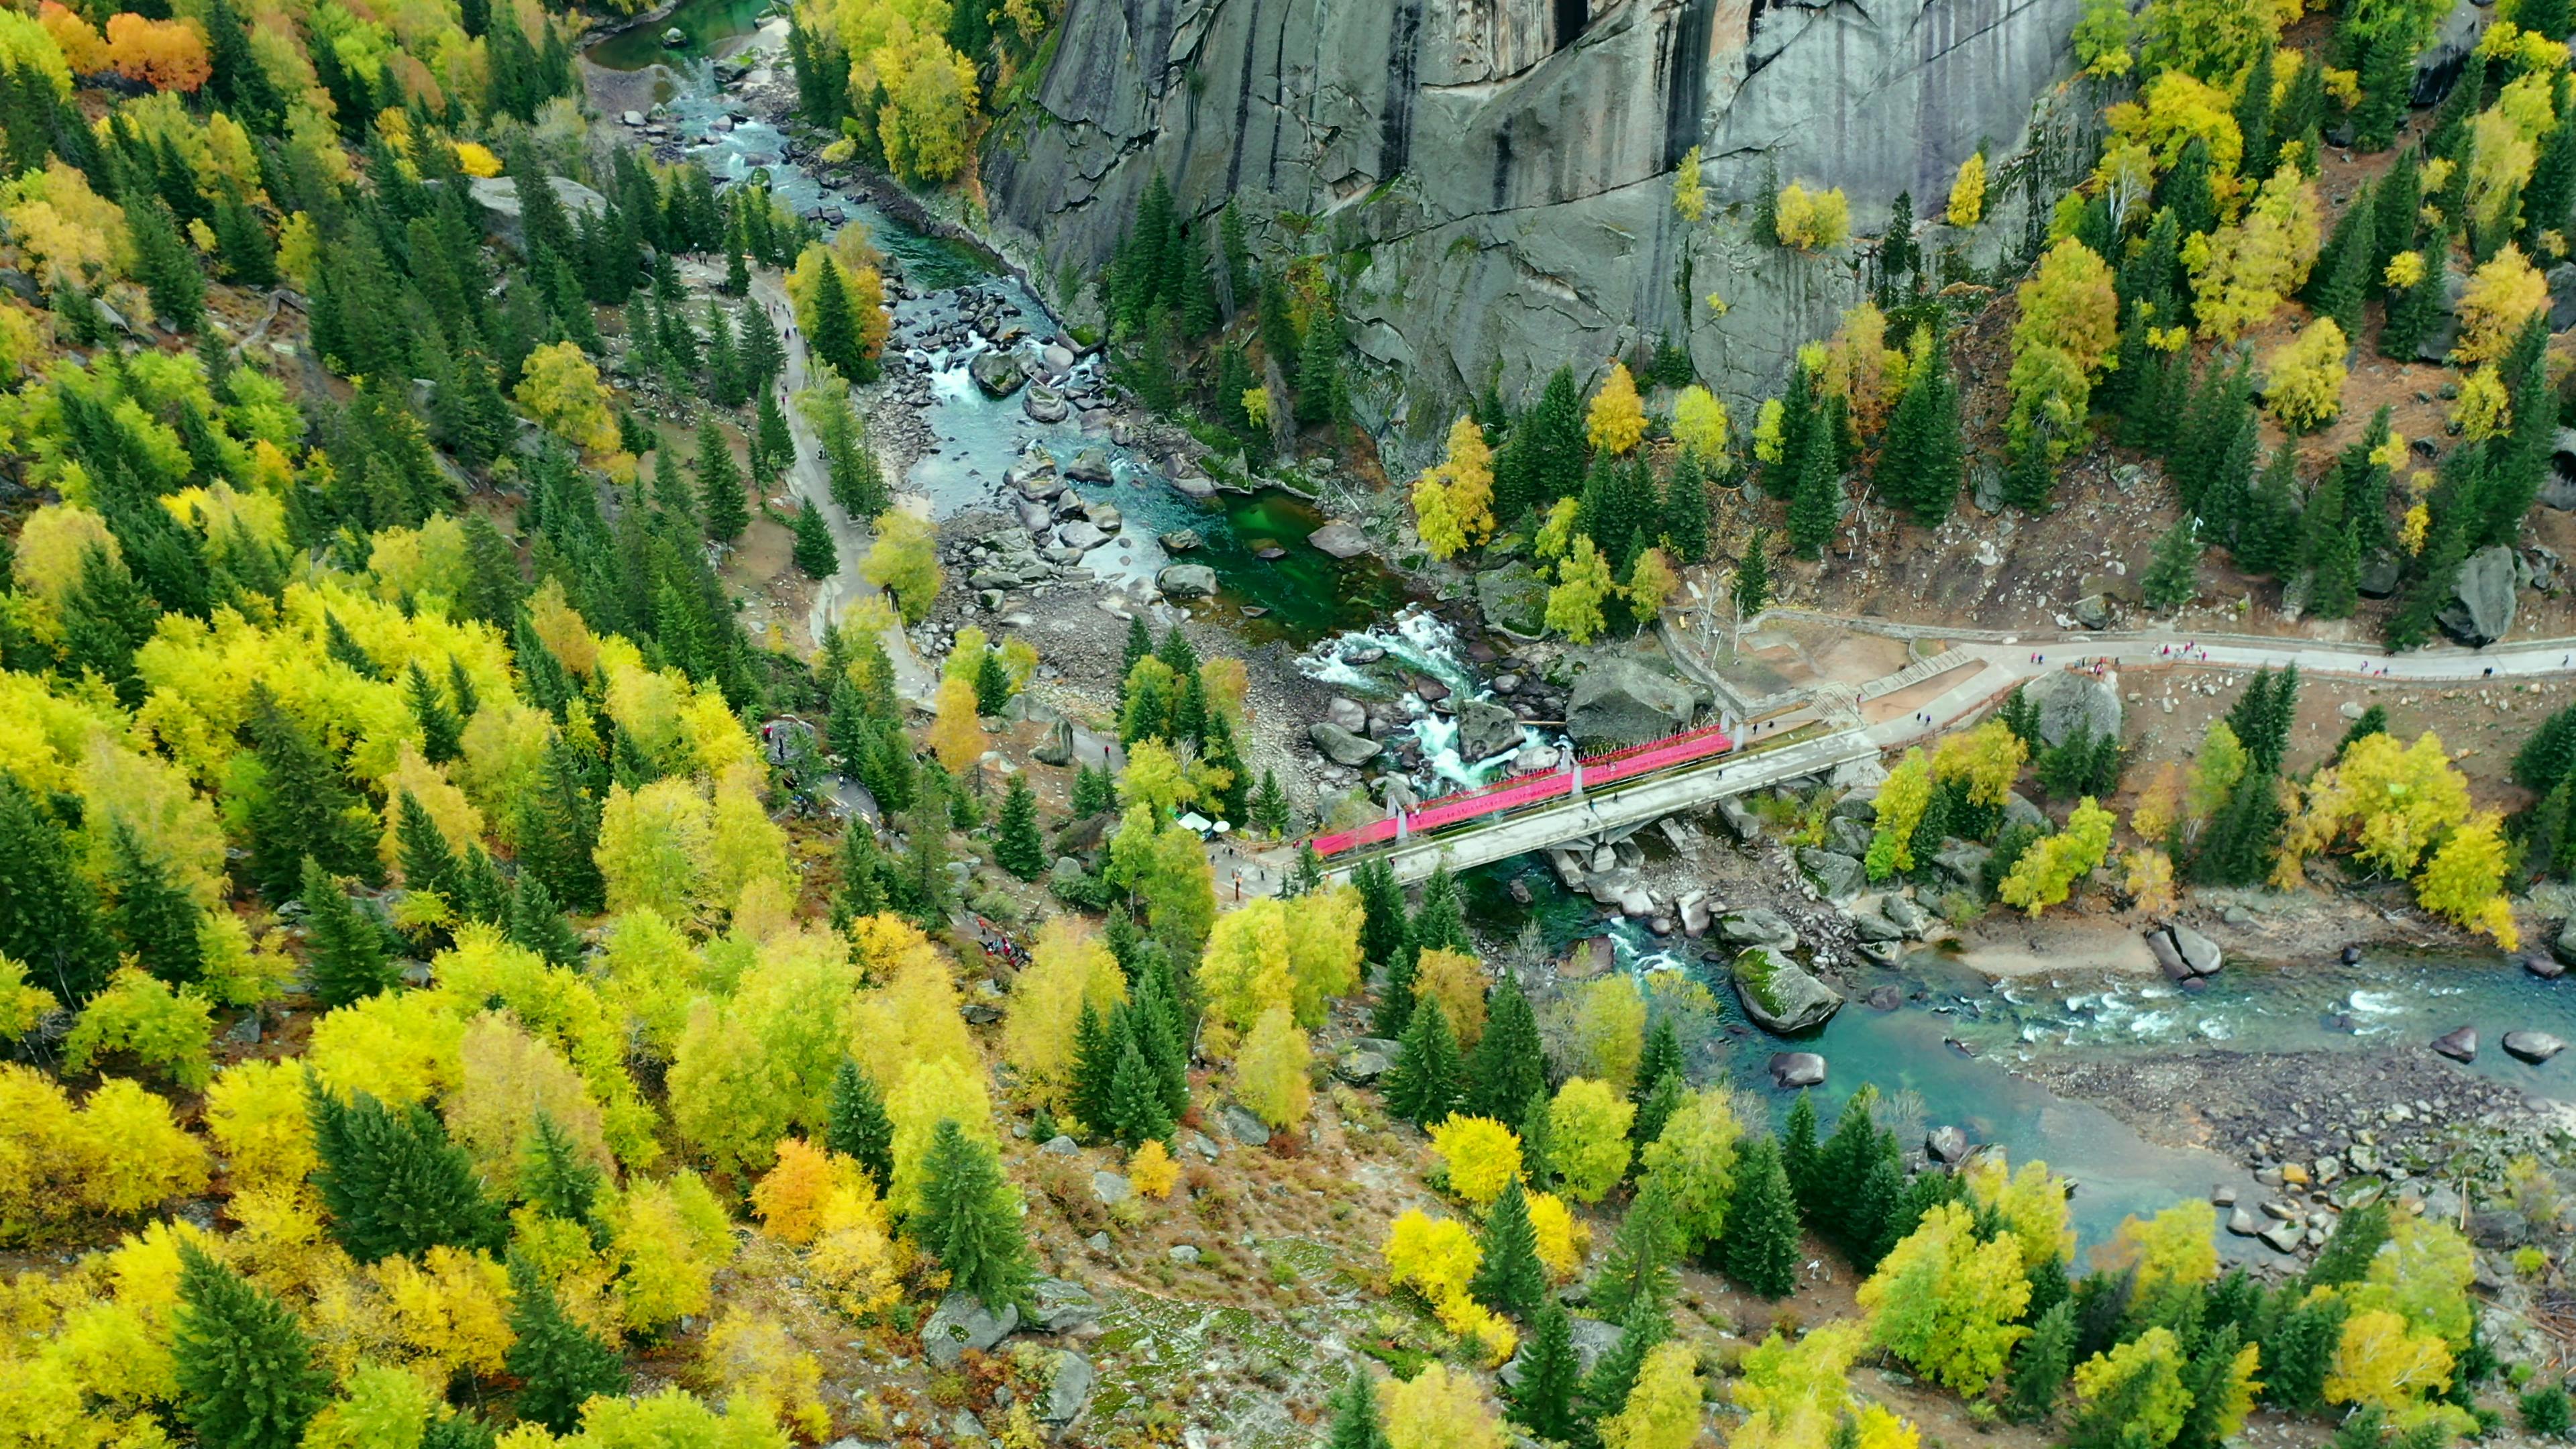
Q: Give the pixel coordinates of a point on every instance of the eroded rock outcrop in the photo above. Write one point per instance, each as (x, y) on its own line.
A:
(1506, 164)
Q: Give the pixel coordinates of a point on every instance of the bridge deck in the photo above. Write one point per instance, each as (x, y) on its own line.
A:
(1632, 802)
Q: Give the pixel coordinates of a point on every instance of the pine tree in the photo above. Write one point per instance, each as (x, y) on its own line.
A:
(166, 267)
(1639, 1269)
(725, 385)
(1508, 1063)
(1319, 368)
(814, 553)
(1395, 1003)
(1543, 1401)
(349, 962)
(2172, 579)
(1657, 1109)
(301, 808)
(856, 1126)
(2040, 1367)
(1761, 1247)
(992, 684)
(1162, 1032)
(1817, 505)
(1441, 922)
(1423, 1087)
(2412, 313)
(862, 888)
(392, 1182)
(720, 499)
(153, 917)
(558, 827)
(2208, 1373)
(245, 1371)
(1799, 1155)
(1877, 1213)
(1508, 1277)
(2267, 539)
(1017, 848)
(560, 1365)
(555, 1177)
(776, 443)
(2237, 846)
(969, 1219)
(441, 732)
(1382, 911)
(1355, 1417)
(1269, 806)
(1135, 1099)
(1662, 1058)
(1538, 1138)
(1605, 1389)
(531, 921)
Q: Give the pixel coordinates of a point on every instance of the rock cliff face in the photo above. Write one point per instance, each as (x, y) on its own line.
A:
(1497, 173)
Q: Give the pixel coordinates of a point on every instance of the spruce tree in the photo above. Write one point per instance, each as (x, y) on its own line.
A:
(2267, 538)
(1657, 1109)
(1538, 1139)
(555, 1177)
(1097, 1048)
(166, 266)
(1017, 848)
(1543, 1401)
(2172, 578)
(814, 553)
(1877, 1216)
(153, 916)
(1508, 1277)
(772, 438)
(835, 332)
(720, 499)
(1135, 1105)
(2300, 1349)
(301, 807)
(2040, 1367)
(1395, 1004)
(1441, 922)
(1382, 912)
(2236, 848)
(2412, 313)
(1761, 1247)
(245, 1371)
(1685, 510)
(558, 827)
(992, 684)
(861, 892)
(969, 1219)
(1817, 505)
(1639, 1269)
(392, 1182)
(1661, 1058)
(1423, 1087)
(531, 921)
(2549, 754)
(1799, 1155)
(349, 961)
(1508, 1063)
(856, 1126)
(1161, 1031)
(2208, 1373)
(1841, 1163)
(1355, 1417)
(559, 1364)
(441, 732)
(1605, 1390)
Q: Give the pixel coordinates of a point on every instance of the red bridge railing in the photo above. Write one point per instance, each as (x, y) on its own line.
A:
(1505, 796)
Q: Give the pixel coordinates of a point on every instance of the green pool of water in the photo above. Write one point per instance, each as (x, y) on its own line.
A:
(706, 23)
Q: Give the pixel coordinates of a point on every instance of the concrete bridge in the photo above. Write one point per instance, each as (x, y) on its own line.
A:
(1628, 804)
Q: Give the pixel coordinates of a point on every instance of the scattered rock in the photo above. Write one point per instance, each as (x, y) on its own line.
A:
(1486, 730)
(1183, 1253)
(961, 1323)
(1360, 1068)
(1060, 1305)
(2460, 1045)
(1780, 995)
(1069, 1387)
(1964, 863)
(1181, 540)
(2547, 968)
(1111, 1188)
(2283, 1237)
(1885, 998)
(2534, 1047)
(1946, 1145)
(1797, 1069)
(1245, 1129)
(1061, 1146)
(1837, 877)
(1875, 927)
(1044, 404)
(1757, 926)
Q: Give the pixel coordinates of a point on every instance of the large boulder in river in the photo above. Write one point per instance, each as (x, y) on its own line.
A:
(2071, 704)
(1757, 926)
(1340, 745)
(1186, 581)
(1623, 702)
(2459, 1044)
(1090, 465)
(1779, 994)
(2534, 1047)
(997, 373)
(1486, 729)
(1513, 598)
(2565, 945)
(1797, 1069)
(1340, 539)
(2482, 601)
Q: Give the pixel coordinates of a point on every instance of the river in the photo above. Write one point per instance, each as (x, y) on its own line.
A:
(1946, 1049)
